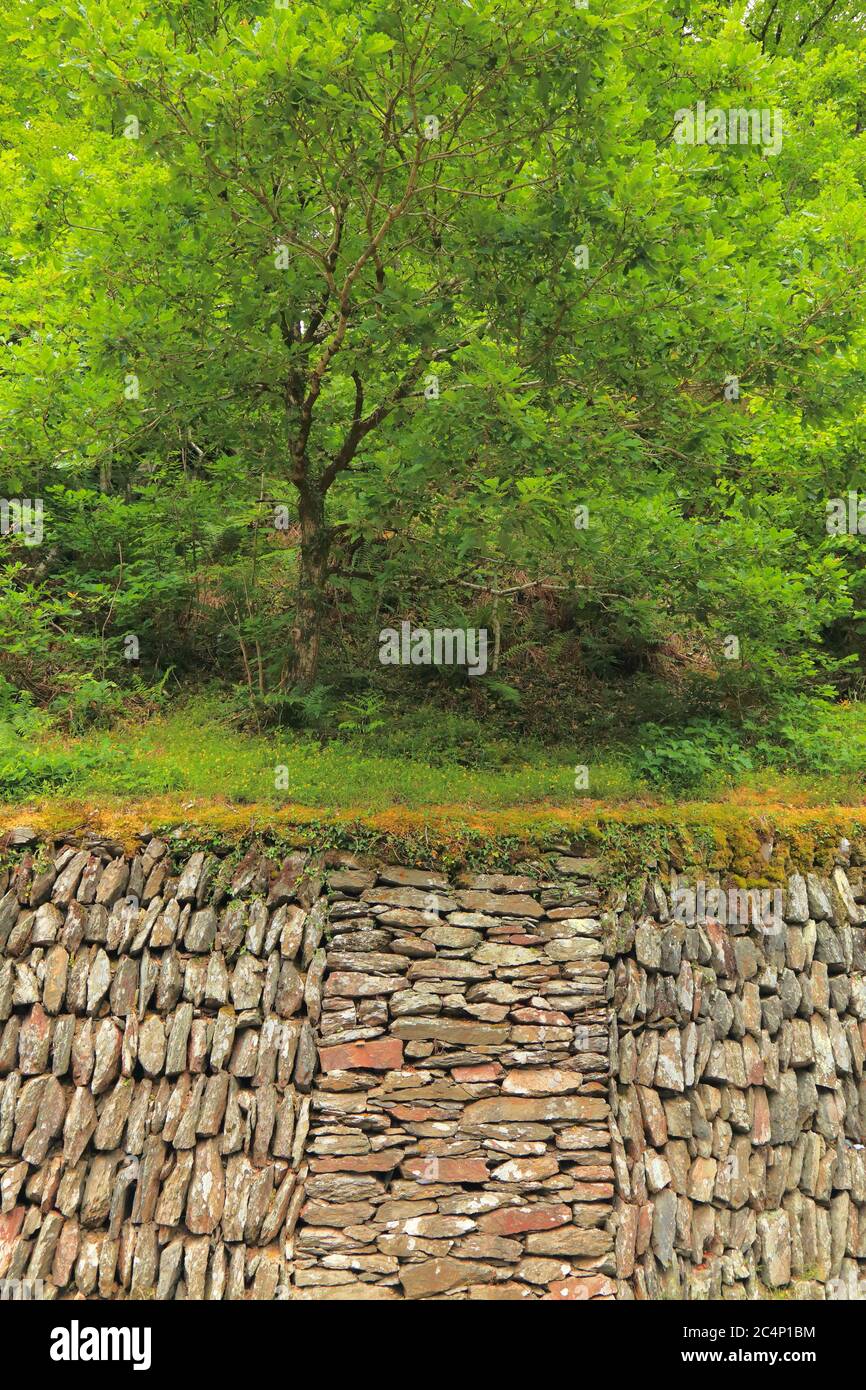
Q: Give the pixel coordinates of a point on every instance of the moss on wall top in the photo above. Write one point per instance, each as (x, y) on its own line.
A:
(754, 843)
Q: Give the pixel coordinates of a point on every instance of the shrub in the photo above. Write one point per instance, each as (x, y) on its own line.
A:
(690, 759)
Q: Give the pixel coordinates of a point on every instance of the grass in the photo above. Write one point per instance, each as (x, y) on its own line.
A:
(193, 752)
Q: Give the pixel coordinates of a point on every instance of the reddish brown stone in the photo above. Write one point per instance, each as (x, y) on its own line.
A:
(541, 1081)
(626, 1238)
(591, 1172)
(512, 1221)
(65, 1254)
(10, 1229)
(644, 1228)
(525, 1170)
(511, 1292)
(381, 1162)
(434, 1169)
(754, 1062)
(488, 1071)
(438, 1276)
(415, 1114)
(550, 1017)
(761, 1121)
(593, 1191)
(383, 1054)
(514, 1109)
(451, 1030)
(569, 1242)
(722, 949)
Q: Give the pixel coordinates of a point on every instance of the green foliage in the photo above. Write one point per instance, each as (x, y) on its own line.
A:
(31, 762)
(698, 757)
(363, 715)
(87, 700)
(235, 313)
(812, 736)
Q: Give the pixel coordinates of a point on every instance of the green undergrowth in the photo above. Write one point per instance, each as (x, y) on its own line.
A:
(423, 759)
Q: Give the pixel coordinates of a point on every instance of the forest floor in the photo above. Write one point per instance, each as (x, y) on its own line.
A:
(195, 753)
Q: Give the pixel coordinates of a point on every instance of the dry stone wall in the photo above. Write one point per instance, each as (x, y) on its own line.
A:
(739, 1100)
(324, 1077)
(156, 1058)
(459, 1137)
(160, 1131)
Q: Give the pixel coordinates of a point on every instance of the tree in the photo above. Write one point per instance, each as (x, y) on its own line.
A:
(246, 245)
(286, 268)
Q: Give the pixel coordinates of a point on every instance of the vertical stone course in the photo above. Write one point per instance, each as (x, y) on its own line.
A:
(156, 1059)
(738, 1096)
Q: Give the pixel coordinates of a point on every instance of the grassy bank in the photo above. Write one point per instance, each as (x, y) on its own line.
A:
(466, 797)
(193, 751)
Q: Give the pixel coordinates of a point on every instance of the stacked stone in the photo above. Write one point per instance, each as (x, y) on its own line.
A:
(739, 1099)
(163, 1132)
(156, 1057)
(459, 1137)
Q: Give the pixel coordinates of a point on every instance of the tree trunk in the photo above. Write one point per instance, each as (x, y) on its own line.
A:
(312, 580)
